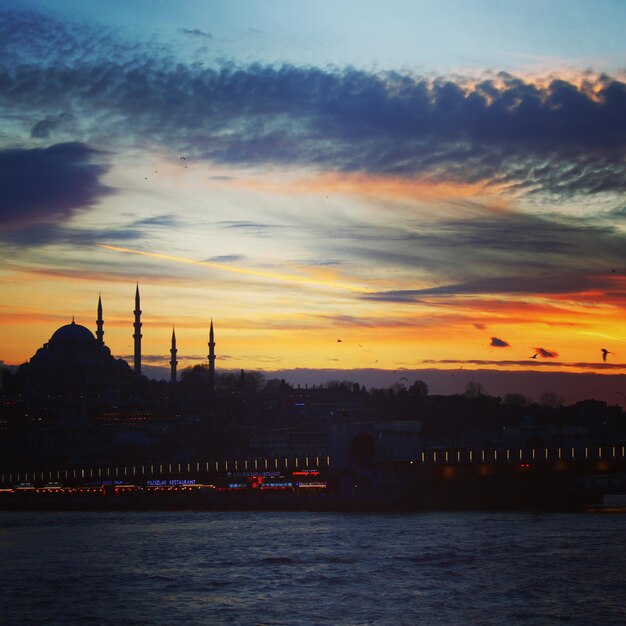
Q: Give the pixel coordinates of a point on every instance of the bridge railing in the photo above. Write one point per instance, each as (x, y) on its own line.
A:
(463, 456)
(206, 470)
(148, 471)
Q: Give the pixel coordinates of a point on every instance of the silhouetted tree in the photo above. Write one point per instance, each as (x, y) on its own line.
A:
(419, 389)
(474, 390)
(277, 384)
(518, 400)
(551, 400)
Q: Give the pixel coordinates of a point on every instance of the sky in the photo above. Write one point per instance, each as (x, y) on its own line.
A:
(395, 186)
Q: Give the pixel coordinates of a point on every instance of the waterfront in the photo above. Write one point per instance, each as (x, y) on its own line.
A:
(311, 568)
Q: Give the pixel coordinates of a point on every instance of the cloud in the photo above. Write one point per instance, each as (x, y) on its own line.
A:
(532, 363)
(503, 133)
(48, 184)
(45, 127)
(258, 229)
(195, 32)
(225, 258)
(168, 221)
(499, 343)
(509, 253)
(546, 354)
(43, 234)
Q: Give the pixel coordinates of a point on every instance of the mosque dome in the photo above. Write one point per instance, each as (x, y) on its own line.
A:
(73, 363)
(72, 334)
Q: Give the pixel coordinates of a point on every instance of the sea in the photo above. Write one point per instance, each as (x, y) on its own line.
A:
(188, 568)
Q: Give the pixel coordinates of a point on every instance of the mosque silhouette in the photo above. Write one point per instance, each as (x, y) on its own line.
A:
(75, 361)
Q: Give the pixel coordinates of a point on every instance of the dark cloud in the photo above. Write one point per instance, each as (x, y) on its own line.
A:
(45, 127)
(225, 258)
(498, 285)
(256, 228)
(499, 343)
(169, 221)
(558, 137)
(532, 363)
(244, 224)
(546, 354)
(48, 184)
(45, 233)
(499, 254)
(196, 32)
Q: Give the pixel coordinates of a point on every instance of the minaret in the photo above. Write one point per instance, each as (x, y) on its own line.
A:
(100, 323)
(137, 335)
(211, 359)
(173, 361)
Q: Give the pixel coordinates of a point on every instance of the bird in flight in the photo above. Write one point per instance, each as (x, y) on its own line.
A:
(534, 356)
(338, 340)
(604, 353)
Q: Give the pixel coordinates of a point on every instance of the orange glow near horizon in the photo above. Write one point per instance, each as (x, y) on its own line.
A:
(375, 335)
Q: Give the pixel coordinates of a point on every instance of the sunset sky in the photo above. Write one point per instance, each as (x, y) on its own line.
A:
(440, 185)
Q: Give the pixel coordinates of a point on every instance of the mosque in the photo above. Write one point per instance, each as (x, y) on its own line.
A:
(74, 361)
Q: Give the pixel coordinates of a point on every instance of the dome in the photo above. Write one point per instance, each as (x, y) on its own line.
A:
(73, 364)
(72, 333)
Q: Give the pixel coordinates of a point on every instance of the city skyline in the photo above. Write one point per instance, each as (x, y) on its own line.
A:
(333, 197)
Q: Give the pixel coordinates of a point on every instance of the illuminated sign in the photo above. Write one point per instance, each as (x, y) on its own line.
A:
(174, 482)
(252, 474)
(311, 485)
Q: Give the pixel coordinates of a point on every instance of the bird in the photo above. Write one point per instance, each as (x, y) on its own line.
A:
(338, 340)
(534, 356)
(613, 270)
(604, 353)
(183, 158)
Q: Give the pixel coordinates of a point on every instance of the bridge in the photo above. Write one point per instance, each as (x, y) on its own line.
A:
(200, 471)
(435, 478)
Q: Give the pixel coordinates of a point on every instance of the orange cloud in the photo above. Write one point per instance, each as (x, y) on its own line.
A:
(426, 188)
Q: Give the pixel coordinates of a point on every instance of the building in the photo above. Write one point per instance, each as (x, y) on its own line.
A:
(75, 363)
(71, 364)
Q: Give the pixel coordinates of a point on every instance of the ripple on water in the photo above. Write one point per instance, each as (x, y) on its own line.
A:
(307, 568)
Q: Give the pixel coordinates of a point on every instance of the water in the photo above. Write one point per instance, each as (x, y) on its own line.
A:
(188, 568)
